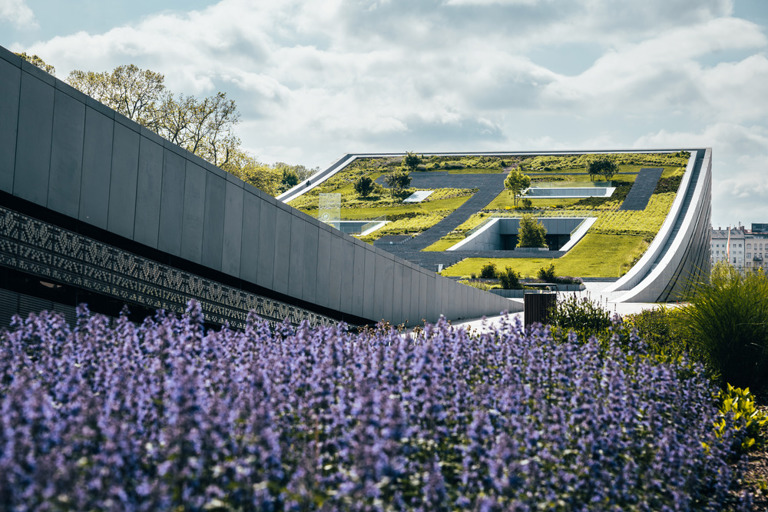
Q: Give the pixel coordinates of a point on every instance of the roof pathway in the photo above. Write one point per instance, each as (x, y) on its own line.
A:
(488, 187)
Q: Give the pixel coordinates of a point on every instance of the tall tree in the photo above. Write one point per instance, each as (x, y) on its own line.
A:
(136, 93)
(532, 233)
(398, 181)
(517, 182)
(604, 167)
(204, 127)
(411, 161)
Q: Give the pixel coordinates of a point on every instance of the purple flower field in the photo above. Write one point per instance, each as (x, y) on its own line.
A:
(165, 416)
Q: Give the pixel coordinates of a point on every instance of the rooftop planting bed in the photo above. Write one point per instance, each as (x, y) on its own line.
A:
(608, 250)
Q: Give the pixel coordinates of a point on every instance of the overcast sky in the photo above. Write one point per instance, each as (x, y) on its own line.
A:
(317, 79)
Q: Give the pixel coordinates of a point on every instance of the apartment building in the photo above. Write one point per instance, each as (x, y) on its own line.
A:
(741, 247)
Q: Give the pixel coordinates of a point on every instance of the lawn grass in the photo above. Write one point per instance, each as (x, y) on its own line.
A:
(596, 255)
(506, 201)
(423, 208)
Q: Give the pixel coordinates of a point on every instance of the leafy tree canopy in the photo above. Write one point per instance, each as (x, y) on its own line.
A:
(602, 167)
(364, 186)
(411, 160)
(37, 61)
(517, 182)
(532, 233)
(204, 127)
(398, 181)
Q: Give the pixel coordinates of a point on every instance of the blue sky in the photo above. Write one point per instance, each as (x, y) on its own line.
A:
(317, 79)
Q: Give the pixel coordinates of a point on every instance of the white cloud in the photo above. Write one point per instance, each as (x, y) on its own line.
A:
(18, 13)
(739, 167)
(660, 72)
(317, 78)
(494, 2)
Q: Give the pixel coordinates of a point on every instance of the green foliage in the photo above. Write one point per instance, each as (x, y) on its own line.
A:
(670, 184)
(527, 203)
(364, 186)
(260, 175)
(576, 163)
(547, 274)
(596, 255)
(37, 61)
(739, 412)
(477, 284)
(301, 171)
(510, 280)
(517, 182)
(582, 315)
(658, 327)
(398, 181)
(204, 127)
(531, 233)
(411, 161)
(605, 167)
(465, 163)
(488, 271)
(289, 179)
(727, 323)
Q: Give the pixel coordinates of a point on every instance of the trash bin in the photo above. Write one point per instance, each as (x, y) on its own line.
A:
(538, 306)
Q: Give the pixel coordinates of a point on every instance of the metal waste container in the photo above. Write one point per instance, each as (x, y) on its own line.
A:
(539, 306)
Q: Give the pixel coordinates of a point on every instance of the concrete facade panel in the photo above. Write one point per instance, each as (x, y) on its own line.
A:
(171, 204)
(66, 155)
(347, 278)
(33, 143)
(149, 184)
(397, 294)
(433, 308)
(369, 288)
(233, 230)
(282, 250)
(385, 270)
(266, 245)
(311, 235)
(249, 252)
(323, 268)
(296, 272)
(335, 272)
(97, 162)
(423, 286)
(10, 87)
(122, 188)
(358, 276)
(194, 213)
(213, 222)
(409, 294)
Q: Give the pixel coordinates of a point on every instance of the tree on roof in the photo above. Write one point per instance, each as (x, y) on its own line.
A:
(532, 233)
(517, 182)
(411, 161)
(602, 167)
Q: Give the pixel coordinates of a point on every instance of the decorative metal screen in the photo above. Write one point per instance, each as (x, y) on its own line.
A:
(42, 249)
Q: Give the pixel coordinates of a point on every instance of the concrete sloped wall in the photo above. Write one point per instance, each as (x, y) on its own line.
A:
(64, 151)
(680, 253)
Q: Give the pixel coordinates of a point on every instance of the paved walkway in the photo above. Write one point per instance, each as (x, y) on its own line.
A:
(593, 292)
(642, 188)
(488, 187)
